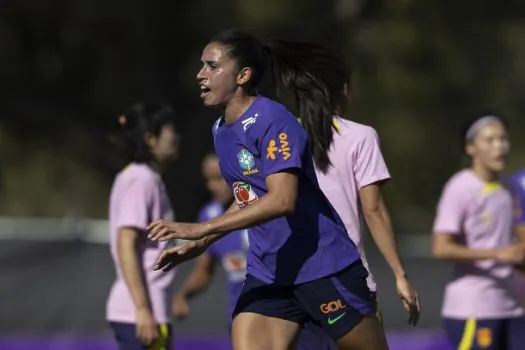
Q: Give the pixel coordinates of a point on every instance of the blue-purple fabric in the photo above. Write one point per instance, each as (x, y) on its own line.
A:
(518, 191)
(312, 242)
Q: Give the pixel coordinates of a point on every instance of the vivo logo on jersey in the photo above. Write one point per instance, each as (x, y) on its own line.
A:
(284, 148)
(246, 123)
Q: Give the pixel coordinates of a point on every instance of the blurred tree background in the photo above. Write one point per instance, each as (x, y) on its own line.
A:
(420, 69)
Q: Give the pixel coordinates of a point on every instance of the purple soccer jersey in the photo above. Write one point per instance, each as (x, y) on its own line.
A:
(312, 242)
(518, 190)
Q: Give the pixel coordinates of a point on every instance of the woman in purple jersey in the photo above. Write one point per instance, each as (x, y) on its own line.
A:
(302, 266)
(230, 252)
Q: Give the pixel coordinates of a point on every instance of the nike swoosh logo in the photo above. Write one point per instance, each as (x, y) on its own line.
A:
(332, 321)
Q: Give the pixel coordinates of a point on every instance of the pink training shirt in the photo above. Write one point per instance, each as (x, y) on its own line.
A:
(357, 162)
(139, 197)
(479, 214)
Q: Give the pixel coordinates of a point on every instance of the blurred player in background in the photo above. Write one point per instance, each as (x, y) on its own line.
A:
(518, 188)
(138, 304)
(474, 228)
(230, 252)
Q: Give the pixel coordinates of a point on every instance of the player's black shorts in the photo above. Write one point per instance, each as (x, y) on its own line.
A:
(335, 303)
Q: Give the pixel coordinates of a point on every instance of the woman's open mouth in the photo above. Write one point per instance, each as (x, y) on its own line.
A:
(204, 91)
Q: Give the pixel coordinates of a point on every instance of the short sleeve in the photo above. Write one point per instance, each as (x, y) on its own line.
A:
(451, 209)
(368, 163)
(137, 204)
(518, 193)
(282, 145)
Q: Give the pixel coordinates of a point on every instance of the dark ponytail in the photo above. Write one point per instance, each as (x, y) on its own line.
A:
(133, 126)
(316, 78)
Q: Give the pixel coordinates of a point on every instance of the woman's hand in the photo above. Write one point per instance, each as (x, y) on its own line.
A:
(171, 257)
(162, 230)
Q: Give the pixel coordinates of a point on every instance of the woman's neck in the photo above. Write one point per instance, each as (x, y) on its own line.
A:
(484, 173)
(237, 106)
(157, 166)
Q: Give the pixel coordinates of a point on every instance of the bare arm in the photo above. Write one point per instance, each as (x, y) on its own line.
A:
(445, 247)
(279, 201)
(520, 232)
(232, 208)
(131, 267)
(171, 257)
(199, 278)
(380, 225)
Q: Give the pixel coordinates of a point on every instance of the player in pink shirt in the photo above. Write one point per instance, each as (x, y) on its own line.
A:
(473, 228)
(352, 184)
(350, 174)
(138, 306)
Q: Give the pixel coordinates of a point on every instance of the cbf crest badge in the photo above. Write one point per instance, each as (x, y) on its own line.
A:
(247, 162)
(484, 337)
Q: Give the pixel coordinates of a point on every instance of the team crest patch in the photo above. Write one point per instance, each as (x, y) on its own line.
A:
(235, 266)
(484, 337)
(234, 262)
(247, 162)
(244, 194)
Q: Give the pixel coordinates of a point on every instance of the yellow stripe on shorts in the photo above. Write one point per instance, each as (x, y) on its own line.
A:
(160, 343)
(469, 332)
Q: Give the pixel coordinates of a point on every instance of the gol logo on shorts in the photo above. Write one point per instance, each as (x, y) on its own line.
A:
(332, 306)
